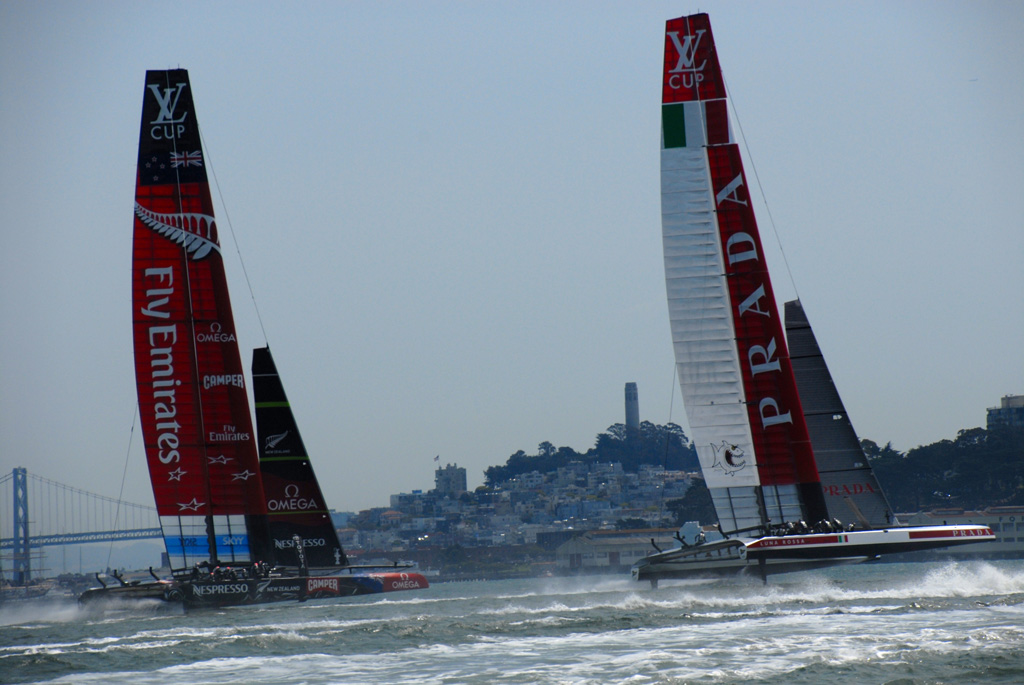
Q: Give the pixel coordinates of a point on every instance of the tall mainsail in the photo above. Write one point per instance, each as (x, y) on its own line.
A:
(775, 466)
(737, 382)
(195, 417)
(294, 502)
(852, 492)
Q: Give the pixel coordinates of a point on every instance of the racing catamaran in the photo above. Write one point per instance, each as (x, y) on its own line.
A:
(241, 525)
(776, 448)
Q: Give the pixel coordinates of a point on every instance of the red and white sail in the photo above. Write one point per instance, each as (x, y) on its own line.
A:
(200, 443)
(734, 369)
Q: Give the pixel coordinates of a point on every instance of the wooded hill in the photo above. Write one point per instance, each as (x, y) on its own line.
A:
(980, 468)
(651, 444)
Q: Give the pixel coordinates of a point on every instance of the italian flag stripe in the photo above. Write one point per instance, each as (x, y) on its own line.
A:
(695, 124)
(673, 125)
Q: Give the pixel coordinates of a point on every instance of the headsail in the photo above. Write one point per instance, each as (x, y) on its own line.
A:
(731, 356)
(195, 417)
(294, 502)
(852, 492)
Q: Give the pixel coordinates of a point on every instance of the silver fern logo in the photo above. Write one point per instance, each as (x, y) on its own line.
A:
(197, 233)
(274, 440)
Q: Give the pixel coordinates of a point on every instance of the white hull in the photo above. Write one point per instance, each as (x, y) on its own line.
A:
(783, 554)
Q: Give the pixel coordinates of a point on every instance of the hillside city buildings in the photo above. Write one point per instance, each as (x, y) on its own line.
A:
(576, 497)
(578, 512)
(549, 507)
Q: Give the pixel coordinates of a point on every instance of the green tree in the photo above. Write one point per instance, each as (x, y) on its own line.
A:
(630, 524)
(979, 468)
(694, 505)
(665, 445)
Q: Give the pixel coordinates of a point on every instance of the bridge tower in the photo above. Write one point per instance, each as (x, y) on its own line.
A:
(22, 557)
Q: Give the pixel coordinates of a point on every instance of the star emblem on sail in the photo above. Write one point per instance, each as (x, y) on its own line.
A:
(176, 474)
(220, 460)
(197, 233)
(243, 475)
(728, 457)
(190, 506)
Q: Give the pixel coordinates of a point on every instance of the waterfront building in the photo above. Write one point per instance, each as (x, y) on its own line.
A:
(610, 550)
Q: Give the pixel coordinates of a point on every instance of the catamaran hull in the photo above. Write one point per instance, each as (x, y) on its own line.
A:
(141, 591)
(259, 591)
(694, 568)
(785, 554)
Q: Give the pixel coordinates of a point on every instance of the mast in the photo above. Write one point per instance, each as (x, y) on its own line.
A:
(196, 425)
(731, 357)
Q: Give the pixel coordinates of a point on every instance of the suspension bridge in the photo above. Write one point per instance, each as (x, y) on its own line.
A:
(47, 513)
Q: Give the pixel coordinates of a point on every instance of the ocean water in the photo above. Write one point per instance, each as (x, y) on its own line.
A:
(936, 622)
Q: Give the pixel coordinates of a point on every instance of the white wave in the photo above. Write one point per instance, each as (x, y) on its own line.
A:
(886, 618)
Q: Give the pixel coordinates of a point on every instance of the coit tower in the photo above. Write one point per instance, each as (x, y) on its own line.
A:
(632, 407)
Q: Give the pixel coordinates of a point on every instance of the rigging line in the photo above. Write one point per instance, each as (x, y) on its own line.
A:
(672, 394)
(757, 179)
(245, 273)
(668, 443)
(124, 475)
(231, 230)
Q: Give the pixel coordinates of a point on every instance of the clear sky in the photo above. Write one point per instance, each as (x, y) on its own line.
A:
(449, 214)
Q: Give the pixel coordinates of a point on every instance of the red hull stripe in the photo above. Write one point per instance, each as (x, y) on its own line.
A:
(795, 541)
(957, 533)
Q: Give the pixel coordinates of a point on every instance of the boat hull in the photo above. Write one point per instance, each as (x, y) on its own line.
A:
(787, 553)
(159, 590)
(200, 594)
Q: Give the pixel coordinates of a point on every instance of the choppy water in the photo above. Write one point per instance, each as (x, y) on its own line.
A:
(885, 623)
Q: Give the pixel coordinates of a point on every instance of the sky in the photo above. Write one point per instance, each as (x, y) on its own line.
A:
(444, 217)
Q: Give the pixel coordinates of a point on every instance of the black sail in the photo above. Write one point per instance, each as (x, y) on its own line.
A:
(295, 505)
(852, 493)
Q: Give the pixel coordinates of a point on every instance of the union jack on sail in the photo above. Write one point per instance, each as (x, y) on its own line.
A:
(194, 158)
